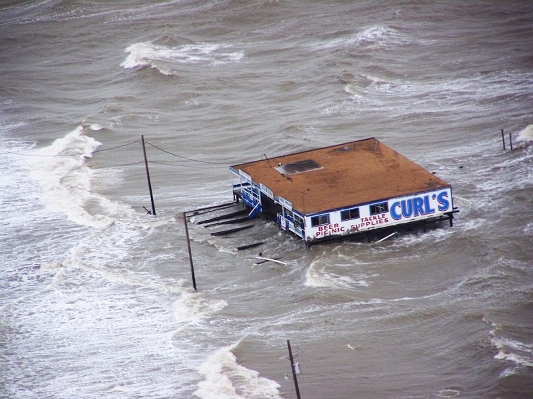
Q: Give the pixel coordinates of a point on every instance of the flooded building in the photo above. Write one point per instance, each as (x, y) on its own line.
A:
(342, 190)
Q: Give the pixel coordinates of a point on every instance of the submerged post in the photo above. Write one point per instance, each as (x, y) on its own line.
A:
(390, 235)
(503, 140)
(148, 176)
(189, 249)
(293, 371)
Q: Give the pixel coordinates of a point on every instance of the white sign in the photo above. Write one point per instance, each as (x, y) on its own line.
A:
(284, 203)
(265, 190)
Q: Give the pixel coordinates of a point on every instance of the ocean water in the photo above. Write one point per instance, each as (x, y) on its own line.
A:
(96, 299)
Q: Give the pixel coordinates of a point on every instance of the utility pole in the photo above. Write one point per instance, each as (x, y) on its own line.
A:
(189, 249)
(293, 371)
(148, 176)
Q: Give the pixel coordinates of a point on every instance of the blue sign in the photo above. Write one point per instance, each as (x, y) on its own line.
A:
(420, 205)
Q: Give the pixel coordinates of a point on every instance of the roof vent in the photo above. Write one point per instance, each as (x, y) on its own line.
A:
(298, 167)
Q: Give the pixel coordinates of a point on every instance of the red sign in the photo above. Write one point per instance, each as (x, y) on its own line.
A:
(373, 220)
(328, 229)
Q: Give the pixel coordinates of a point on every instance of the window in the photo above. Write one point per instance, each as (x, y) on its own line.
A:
(319, 220)
(288, 214)
(298, 219)
(379, 208)
(350, 214)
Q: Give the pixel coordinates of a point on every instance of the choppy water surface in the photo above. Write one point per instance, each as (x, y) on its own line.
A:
(95, 294)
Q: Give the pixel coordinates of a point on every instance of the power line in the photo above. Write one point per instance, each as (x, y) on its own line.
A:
(39, 155)
(65, 155)
(121, 146)
(168, 164)
(182, 157)
(116, 166)
(118, 146)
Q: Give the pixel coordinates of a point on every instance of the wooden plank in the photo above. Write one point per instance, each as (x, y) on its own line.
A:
(384, 238)
(233, 221)
(255, 244)
(226, 232)
(212, 208)
(224, 217)
(271, 260)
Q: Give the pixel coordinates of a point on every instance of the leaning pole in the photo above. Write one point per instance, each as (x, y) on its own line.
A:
(148, 176)
(293, 371)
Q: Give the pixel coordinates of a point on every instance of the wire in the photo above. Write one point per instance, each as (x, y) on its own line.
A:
(168, 164)
(39, 155)
(118, 146)
(117, 166)
(182, 157)
(127, 164)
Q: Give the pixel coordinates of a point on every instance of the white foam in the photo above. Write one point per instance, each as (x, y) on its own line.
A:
(371, 37)
(513, 357)
(66, 181)
(317, 276)
(148, 54)
(111, 253)
(226, 379)
(141, 54)
(377, 36)
(526, 134)
(507, 349)
(51, 266)
(191, 307)
(375, 79)
(96, 127)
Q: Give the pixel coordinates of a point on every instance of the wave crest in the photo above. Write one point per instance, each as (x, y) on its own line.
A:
(67, 181)
(165, 58)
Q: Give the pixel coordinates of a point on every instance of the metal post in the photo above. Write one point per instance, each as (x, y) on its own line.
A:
(148, 176)
(293, 371)
(189, 249)
(503, 140)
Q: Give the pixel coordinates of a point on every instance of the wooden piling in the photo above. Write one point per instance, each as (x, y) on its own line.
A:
(503, 140)
(511, 140)
(148, 176)
(224, 222)
(230, 231)
(293, 371)
(189, 249)
(223, 217)
(243, 247)
(212, 208)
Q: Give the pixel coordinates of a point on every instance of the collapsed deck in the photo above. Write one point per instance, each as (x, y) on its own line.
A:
(342, 190)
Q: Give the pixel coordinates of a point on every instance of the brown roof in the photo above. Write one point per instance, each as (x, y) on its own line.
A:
(347, 174)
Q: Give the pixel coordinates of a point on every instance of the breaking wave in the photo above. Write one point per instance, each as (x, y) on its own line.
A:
(526, 134)
(372, 37)
(165, 58)
(226, 379)
(66, 180)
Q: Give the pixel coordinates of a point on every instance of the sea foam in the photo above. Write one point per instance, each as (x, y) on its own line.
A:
(66, 180)
(526, 134)
(226, 379)
(162, 58)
